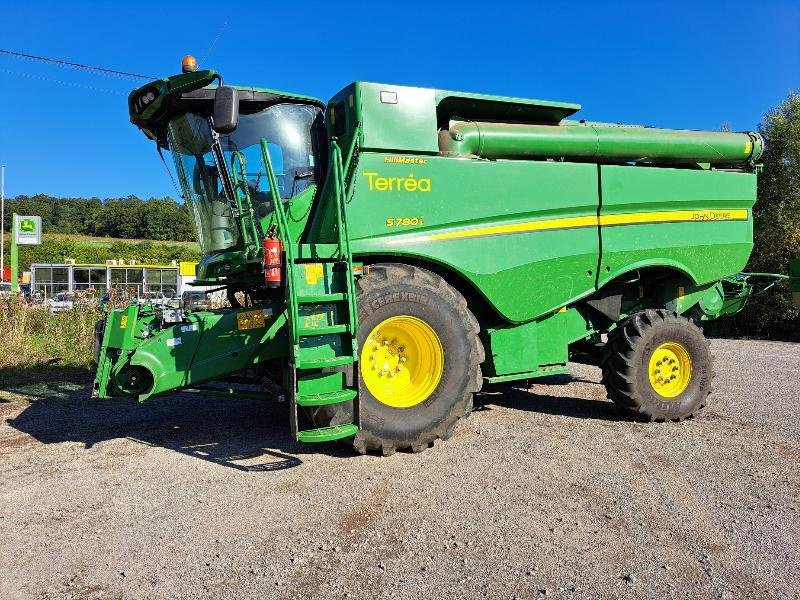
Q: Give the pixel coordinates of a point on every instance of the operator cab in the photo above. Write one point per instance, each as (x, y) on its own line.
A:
(215, 136)
(292, 132)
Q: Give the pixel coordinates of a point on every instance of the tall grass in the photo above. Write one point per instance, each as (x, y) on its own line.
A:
(30, 335)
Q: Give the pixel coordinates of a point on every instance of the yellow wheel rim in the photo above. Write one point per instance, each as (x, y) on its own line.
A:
(402, 361)
(670, 370)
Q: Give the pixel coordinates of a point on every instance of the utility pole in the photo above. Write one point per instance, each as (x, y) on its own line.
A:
(14, 253)
(2, 220)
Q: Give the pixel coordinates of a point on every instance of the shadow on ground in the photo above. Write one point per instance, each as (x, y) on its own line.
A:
(244, 434)
(520, 397)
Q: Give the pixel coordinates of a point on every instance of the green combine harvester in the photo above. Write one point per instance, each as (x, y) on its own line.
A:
(389, 252)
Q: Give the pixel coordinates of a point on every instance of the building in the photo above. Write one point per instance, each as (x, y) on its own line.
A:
(172, 280)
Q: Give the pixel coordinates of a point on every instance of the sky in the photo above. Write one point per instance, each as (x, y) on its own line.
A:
(693, 65)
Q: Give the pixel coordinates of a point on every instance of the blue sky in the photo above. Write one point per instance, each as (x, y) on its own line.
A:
(670, 64)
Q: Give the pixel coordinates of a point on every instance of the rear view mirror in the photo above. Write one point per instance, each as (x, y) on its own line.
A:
(226, 109)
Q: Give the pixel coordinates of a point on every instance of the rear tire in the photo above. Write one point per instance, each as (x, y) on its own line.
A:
(658, 365)
(415, 295)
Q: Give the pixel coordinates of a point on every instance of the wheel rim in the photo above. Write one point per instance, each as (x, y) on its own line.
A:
(402, 361)
(670, 369)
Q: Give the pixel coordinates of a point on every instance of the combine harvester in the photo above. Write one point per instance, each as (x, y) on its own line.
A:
(388, 253)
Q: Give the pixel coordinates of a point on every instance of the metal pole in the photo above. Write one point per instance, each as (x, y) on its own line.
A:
(14, 253)
(2, 220)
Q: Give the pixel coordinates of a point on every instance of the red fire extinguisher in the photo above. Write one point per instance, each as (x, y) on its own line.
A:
(273, 267)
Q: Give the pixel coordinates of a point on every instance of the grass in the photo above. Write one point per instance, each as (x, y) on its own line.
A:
(37, 347)
(106, 242)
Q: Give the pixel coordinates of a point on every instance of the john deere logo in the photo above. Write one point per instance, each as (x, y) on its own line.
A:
(28, 229)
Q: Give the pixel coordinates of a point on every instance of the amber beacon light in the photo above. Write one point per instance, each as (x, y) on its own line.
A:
(189, 64)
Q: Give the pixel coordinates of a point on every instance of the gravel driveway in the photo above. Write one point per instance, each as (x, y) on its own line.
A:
(545, 491)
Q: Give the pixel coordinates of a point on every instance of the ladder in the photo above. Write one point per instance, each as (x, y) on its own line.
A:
(321, 314)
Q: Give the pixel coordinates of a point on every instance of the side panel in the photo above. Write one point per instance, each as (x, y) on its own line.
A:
(697, 221)
(398, 117)
(524, 233)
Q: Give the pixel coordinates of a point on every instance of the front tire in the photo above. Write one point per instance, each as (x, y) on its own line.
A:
(658, 365)
(419, 361)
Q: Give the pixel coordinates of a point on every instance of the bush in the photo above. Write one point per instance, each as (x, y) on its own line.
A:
(777, 229)
(32, 336)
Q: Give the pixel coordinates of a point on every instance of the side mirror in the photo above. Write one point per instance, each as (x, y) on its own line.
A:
(226, 109)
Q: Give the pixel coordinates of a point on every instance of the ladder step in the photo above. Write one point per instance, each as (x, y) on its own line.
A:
(325, 399)
(321, 298)
(322, 363)
(324, 330)
(327, 434)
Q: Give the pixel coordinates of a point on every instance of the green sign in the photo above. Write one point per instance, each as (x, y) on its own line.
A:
(28, 230)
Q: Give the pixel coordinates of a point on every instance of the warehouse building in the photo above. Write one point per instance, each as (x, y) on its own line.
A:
(172, 280)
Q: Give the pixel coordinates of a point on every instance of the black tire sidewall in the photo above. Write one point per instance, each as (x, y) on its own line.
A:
(412, 425)
(696, 392)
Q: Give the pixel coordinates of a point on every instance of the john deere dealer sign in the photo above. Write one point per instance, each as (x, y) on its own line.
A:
(29, 230)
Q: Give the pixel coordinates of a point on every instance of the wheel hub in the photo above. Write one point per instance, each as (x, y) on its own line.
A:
(402, 361)
(670, 369)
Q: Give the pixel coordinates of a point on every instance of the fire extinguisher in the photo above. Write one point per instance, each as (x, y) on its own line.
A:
(273, 253)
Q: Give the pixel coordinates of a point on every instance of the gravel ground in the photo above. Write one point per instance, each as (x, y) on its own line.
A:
(545, 491)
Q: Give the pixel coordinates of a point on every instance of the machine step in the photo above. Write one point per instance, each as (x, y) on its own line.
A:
(324, 330)
(322, 298)
(325, 399)
(322, 363)
(327, 434)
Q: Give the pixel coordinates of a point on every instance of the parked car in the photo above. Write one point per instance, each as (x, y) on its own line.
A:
(195, 300)
(62, 301)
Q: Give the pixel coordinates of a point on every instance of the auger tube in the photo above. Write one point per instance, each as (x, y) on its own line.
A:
(599, 142)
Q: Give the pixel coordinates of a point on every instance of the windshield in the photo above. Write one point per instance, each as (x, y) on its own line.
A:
(288, 129)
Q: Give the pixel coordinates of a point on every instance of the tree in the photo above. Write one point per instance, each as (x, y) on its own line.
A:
(776, 218)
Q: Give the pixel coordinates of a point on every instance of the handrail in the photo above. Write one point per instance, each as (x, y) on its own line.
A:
(283, 234)
(240, 187)
(351, 150)
(344, 235)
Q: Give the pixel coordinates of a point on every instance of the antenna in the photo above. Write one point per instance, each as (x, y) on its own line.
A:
(213, 43)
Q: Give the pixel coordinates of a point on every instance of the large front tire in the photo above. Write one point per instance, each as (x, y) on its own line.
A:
(658, 365)
(419, 360)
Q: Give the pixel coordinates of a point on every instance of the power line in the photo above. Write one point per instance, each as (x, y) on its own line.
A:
(62, 82)
(74, 65)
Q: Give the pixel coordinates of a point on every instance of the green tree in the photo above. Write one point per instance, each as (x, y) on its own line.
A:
(776, 218)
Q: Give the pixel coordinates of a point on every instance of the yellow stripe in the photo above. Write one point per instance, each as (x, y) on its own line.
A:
(675, 216)
(563, 223)
(664, 216)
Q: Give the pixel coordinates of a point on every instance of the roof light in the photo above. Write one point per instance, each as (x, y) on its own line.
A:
(189, 64)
